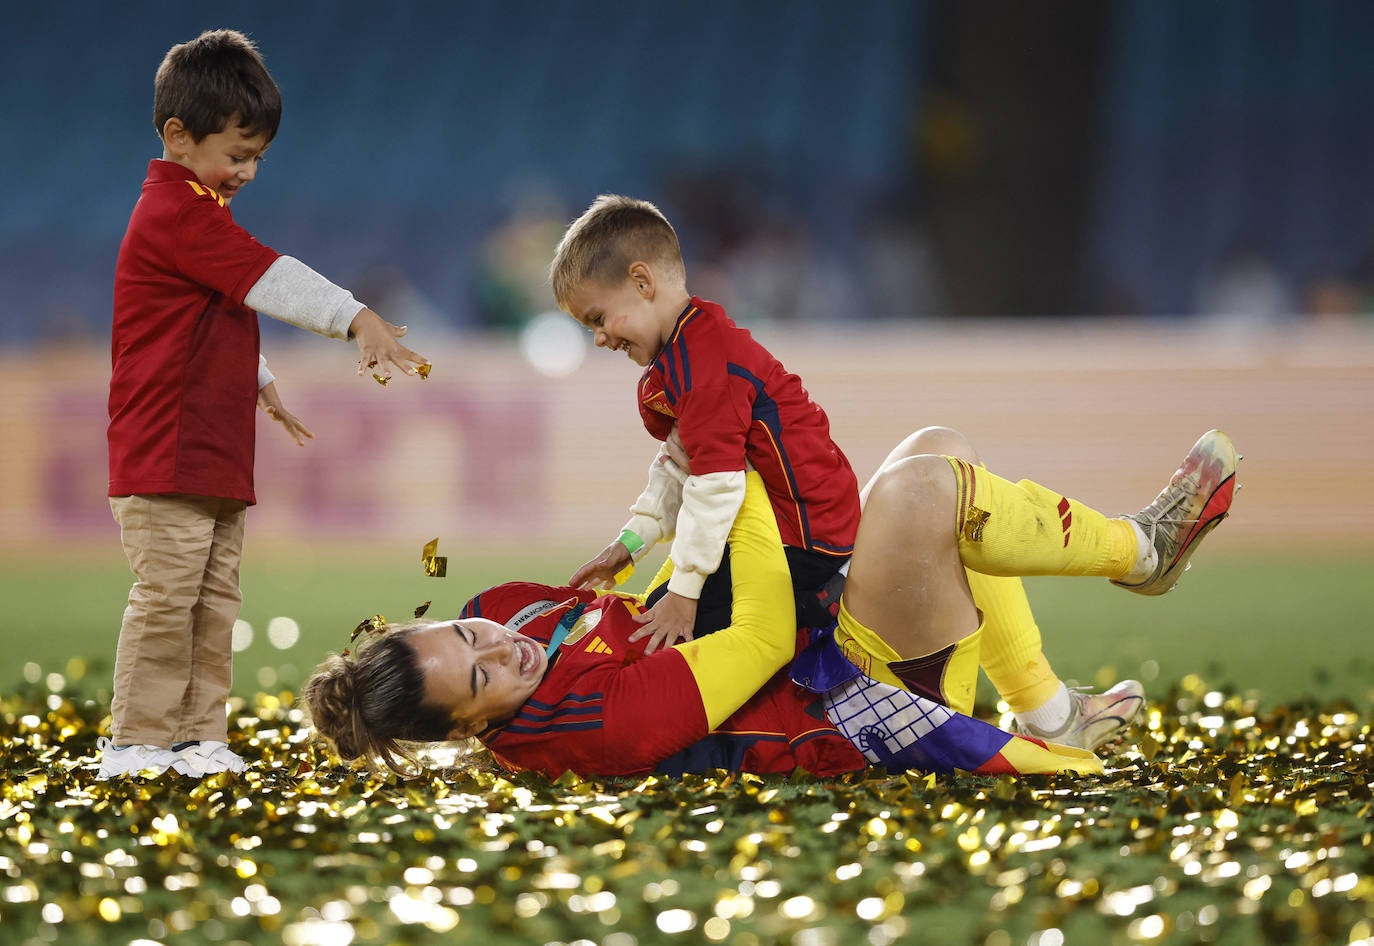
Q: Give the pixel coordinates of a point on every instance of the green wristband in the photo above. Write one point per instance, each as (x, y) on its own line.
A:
(631, 541)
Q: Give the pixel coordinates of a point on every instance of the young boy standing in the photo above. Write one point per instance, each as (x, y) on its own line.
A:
(619, 271)
(186, 377)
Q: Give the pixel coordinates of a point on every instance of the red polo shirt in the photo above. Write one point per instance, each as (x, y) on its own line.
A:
(184, 346)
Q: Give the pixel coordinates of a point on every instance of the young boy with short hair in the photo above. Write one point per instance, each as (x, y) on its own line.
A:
(619, 271)
(186, 377)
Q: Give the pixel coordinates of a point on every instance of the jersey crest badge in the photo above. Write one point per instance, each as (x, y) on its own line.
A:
(584, 624)
(659, 402)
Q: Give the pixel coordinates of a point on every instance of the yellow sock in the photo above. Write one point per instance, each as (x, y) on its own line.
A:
(1023, 528)
(1012, 654)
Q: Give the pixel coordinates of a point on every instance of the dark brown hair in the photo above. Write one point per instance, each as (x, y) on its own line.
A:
(216, 77)
(371, 703)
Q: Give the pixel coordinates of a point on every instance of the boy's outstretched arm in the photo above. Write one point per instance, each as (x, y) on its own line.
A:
(294, 293)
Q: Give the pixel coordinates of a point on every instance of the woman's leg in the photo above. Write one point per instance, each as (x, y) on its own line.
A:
(1012, 653)
(927, 517)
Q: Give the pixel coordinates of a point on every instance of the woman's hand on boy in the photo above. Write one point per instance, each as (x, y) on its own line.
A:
(270, 402)
(379, 348)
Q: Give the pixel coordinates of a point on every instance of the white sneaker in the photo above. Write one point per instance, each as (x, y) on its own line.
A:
(1096, 718)
(206, 758)
(132, 760)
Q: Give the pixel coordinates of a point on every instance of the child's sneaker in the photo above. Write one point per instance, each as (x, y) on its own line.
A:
(132, 760)
(1193, 504)
(1096, 718)
(206, 758)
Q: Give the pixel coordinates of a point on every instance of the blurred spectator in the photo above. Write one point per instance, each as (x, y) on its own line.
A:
(387, 288)
(1362, 278)
(510, 283)
(897, 267)
(1245, 288)
(780, 274)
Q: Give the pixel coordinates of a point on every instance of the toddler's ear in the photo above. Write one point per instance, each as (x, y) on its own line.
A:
(642, 275)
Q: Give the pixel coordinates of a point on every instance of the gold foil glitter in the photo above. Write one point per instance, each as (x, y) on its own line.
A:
(423, 370)
(381, 379)
(1249, 823)
(420, 611)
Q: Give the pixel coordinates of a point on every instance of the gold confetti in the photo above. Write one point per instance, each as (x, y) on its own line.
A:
(436, 565)
(420, 611)
(423, 370)
(381, 379)
(1251, 823)
(374, 625)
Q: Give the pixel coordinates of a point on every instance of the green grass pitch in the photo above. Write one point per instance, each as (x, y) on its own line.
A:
(1242, 812)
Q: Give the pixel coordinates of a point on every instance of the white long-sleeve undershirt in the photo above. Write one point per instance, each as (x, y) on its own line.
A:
(292, 292)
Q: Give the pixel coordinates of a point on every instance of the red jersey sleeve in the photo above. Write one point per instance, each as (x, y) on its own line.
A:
(214, 251)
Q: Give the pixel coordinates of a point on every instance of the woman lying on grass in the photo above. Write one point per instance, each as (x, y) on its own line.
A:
(550, 679)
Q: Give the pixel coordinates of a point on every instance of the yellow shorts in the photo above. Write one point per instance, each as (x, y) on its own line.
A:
(949, 675)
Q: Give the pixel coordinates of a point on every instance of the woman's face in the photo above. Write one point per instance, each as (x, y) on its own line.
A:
(477, 669)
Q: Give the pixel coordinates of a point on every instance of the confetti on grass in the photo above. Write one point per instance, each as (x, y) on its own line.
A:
(1223, 823)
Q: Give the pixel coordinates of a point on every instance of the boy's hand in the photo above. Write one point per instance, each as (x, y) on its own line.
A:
(600, 572)
(270, 402)
(666, 623)
(377, 344)
(677, 452)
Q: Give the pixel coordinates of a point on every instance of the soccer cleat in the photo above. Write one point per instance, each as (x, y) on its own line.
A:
(1193, 504)
(206, 758)
(132, 760)
(1096, 718)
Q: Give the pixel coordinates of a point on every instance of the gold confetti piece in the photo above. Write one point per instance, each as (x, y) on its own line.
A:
(436, 565)
(423, 370)
(373, 625)
(383, 380)
(420, 611)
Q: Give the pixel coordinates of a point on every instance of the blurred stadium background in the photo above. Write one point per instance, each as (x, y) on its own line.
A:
(1082, 232)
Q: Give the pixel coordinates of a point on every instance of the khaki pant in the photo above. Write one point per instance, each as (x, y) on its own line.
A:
(174, 662)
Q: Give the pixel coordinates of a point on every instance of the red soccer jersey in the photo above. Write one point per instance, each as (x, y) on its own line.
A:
(605, 709)
(184, 346)
(733, 401)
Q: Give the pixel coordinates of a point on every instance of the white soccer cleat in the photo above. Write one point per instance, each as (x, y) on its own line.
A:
(1197, 498)
(1097, 718)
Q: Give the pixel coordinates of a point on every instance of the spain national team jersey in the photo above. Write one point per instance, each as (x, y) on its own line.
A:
(733, 401)
(183, 392)
(606, 709)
